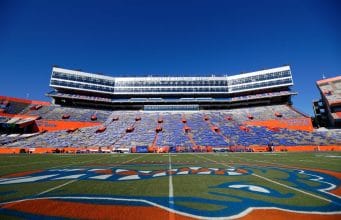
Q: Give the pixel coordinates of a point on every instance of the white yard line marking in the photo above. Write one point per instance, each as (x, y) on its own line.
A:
(74, 163)
(224, 164)
(278, 183)
(299, 169)
(72, 181)
(171, 193)
(171, 190)
(56, 187)
(283, 165)
(292, 188)
(129, 161)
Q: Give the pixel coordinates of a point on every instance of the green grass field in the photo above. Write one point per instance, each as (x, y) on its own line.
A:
(200, 185)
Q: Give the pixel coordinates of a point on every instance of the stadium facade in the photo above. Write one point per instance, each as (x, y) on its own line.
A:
(96, 113)
(327, 110)
(76, 88)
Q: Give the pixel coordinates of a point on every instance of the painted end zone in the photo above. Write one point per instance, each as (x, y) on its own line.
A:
(79, 210)
(285, 215)
(66, 208)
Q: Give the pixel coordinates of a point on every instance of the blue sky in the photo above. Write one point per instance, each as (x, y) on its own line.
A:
(168, 37)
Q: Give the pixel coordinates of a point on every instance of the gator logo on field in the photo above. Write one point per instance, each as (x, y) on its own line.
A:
(233, 192)
(118, 174)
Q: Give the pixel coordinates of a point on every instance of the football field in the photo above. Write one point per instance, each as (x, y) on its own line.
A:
(171, 186)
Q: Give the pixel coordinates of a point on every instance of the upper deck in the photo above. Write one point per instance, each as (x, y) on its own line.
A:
(64, 79)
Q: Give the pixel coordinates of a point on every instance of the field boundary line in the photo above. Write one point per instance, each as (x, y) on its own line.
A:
(75, 180)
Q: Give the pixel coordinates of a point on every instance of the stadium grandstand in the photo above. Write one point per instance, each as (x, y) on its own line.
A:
(327, 110)
(97, 113)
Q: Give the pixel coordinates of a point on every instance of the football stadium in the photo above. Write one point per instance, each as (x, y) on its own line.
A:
(158, 147)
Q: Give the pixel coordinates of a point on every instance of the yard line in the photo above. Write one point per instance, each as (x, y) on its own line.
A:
(72, 181)
(171, 190)
(78, 162)
(144, 155)
(224, 164)
(56, 187)
(292, 188)
(281, 164)
(278, 183)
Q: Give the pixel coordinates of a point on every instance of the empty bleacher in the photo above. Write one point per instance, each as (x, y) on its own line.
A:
(223, 128)
(172, 132)
(75, 114)
(12, 107)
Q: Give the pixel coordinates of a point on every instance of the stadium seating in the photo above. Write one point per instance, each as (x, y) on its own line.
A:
(12, 107)
(331, 91)
(223, 128)
(172, 131)
(202, 133)
(74, 114)
(3, 119)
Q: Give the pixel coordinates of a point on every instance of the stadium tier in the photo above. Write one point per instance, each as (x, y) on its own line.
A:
(97, 113)
(76, 88)
(328, 109)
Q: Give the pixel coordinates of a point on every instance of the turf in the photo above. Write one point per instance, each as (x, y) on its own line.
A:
(203, 195)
